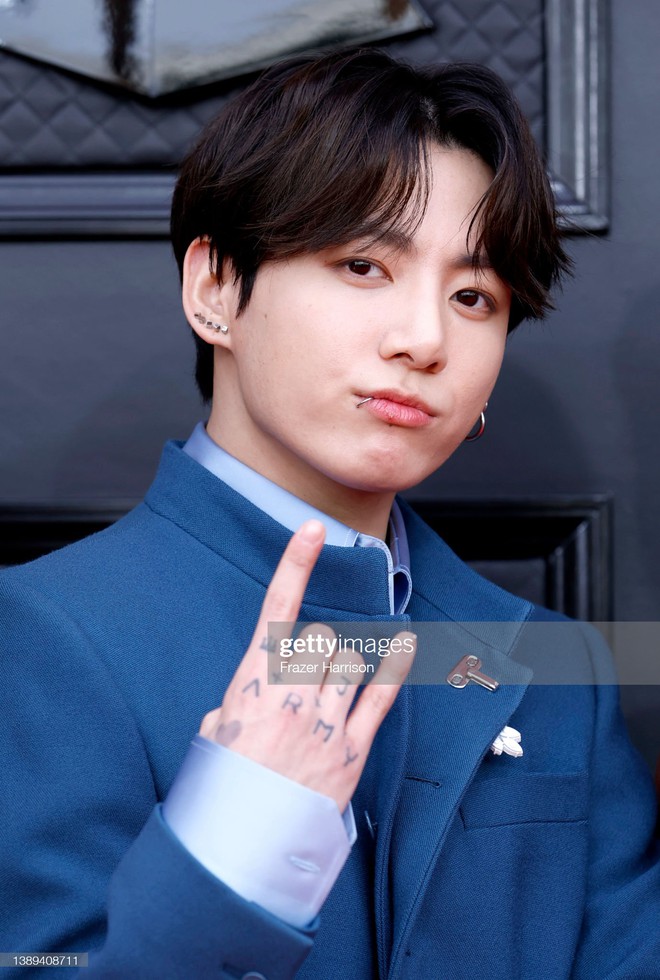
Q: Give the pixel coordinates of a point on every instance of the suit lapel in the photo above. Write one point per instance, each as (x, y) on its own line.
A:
(448, 730)
(451, 731)
(388, 763)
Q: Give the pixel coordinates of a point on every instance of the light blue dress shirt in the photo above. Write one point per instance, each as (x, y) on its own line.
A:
(229, 839)
(291, 512)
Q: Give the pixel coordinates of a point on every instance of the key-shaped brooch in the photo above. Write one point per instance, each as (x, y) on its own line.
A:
(467, 670)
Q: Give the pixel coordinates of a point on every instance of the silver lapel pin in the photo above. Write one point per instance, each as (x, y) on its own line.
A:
(466, 670)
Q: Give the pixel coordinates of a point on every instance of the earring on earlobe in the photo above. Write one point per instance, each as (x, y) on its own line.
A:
(481, 425)
(216, 327)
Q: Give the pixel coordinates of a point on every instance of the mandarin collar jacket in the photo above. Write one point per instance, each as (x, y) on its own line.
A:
(473, 866)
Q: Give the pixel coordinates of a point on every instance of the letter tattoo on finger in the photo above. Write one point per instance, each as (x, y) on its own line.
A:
(255, 684)
(349, 758)
(328, 729)
(293, 701)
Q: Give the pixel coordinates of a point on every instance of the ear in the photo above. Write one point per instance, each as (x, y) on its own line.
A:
(207, 303)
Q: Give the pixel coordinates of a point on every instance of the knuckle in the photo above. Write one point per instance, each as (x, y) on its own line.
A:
(279, 604)
(210, 722)
(379, 698)
(298, 555)
(357, 659)
(319, 629)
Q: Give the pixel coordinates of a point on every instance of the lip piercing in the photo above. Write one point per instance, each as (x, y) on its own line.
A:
(370, 398)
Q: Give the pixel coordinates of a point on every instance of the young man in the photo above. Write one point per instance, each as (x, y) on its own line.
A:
(356, 239)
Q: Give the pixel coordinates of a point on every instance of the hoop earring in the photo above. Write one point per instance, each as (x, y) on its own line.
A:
(481, 425)
(216, 327)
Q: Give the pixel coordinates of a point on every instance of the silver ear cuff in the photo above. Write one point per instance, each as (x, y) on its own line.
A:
(216, 327)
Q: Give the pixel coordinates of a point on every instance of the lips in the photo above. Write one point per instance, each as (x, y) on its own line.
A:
(400, 398)
(396, 408)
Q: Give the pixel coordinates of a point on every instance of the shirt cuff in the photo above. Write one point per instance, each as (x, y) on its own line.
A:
(272, 840)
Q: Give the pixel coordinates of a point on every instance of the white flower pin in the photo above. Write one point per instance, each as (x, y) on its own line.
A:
(508, 741)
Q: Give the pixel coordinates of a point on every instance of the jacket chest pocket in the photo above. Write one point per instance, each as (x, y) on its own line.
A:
(527, 798)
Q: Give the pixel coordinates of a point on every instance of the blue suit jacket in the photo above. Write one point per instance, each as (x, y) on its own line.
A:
(481, 867)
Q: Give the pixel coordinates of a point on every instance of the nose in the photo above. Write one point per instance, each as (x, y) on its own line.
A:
(417, 333)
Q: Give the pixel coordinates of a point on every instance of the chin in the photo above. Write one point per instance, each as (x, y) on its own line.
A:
(392, 472)
(384, 479)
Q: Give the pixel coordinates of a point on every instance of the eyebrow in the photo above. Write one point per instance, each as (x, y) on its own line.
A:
(396, 239)
(470, 261)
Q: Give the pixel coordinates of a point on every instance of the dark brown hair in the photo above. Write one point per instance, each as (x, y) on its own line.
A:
(321, 151)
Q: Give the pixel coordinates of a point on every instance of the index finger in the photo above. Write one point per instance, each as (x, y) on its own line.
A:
(287, 587)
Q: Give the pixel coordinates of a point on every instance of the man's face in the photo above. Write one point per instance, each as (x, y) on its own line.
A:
(398, 325)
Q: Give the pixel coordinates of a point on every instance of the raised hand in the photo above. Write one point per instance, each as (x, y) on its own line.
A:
(303, 731)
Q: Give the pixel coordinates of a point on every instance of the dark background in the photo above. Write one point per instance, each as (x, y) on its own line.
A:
(96, 365)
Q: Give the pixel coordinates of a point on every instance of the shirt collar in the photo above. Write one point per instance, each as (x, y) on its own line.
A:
(291, 511)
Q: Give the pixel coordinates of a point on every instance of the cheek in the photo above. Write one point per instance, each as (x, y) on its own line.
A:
(276, 386)
(480, 366)
(496, 363)
(496, 346)
(260, 348)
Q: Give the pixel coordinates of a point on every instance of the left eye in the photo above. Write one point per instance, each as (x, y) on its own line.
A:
(473, 299)
(363, 268)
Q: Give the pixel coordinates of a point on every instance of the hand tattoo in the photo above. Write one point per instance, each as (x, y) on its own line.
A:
(329, 729)
(293, 701)
(226, 734)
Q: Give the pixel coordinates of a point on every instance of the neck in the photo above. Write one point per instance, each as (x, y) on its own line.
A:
(362, 510)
